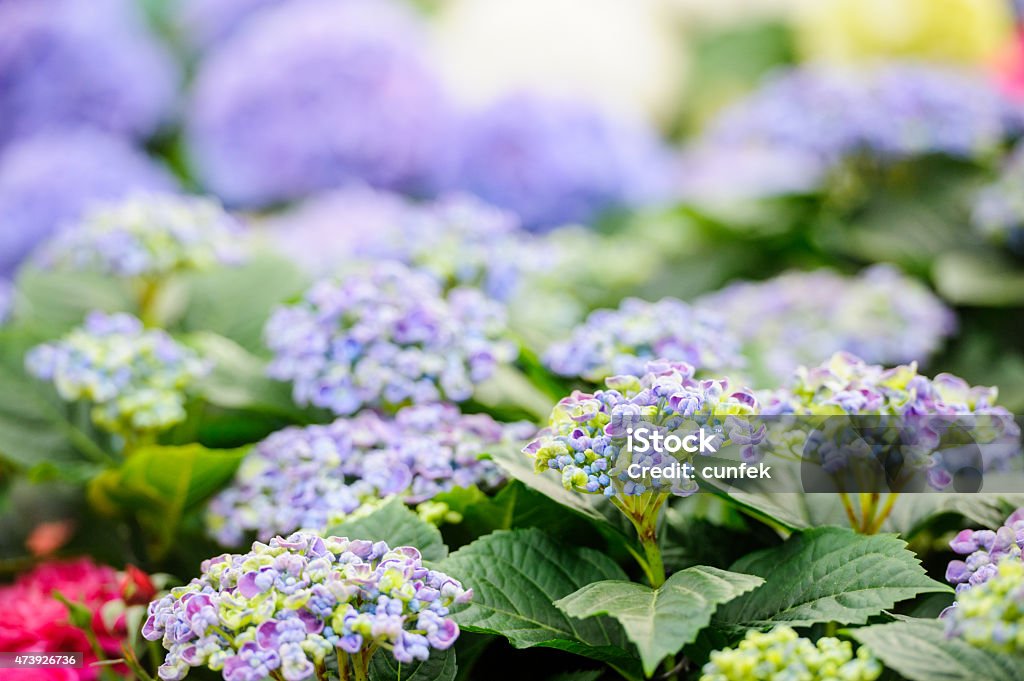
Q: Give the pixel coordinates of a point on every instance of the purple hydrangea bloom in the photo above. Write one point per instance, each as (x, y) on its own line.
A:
(386, 338)
(556, 161)
(801, 318)
(135, 378)
(313, 94)
(586, 432)
(998, 211)
(822, 114)
(458, 238)
(47, 182)
(302, 602)
(622, 341)
(81, 63)
(984, 549)
(930, 415)
(311, 478)
(148, 236)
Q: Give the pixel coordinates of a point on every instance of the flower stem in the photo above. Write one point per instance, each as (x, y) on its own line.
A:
(886, 510)
(848, 507)
(642, 512)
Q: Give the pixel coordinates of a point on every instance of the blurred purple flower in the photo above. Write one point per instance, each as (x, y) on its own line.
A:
(556, 161)
(313, 94)
(49, 180)
(72, 63)
(203, 24)
(998, 211)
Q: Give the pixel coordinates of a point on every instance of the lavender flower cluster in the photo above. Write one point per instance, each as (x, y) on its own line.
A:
(458, 238)
(991, 615)
(149, 236)
(299, 603)
(586, 432)
(783, 654)
(998, 210)
(311, 478)
(815, 116)
(801, 318)
(309, 95)
(69, 64)
(556, 162)
(622, 341)
(928, 412)
(984, 550)
(384, 339)
(135, 378)
(48, 180)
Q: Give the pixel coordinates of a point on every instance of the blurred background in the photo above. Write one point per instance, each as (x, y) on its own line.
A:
(828, 175)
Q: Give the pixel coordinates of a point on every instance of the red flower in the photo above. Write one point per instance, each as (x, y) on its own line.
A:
(136, 587)
(36, 622)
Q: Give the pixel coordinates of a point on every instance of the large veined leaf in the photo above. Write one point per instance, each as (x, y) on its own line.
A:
(440, 666)
(919, 651)
(395, 524)
(158, 484)
(827, 574)
(517, 575)
(661, 621)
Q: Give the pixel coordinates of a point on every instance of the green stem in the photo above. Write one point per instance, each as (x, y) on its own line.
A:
(886, 510)
(848, 507)
(643, 512)
(361, 664)
(344, 670)
(149, 290)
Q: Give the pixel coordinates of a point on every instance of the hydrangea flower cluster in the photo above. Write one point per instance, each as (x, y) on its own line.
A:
(586, 432)
(926, 412)
(302, 602)
(312, 477)
(555, 161)
(984, 550)
(801, 318)
(783, 654)
(39, 623)
(309, 95)
(71, 64)
(998, 211)
(47, 181)
(828, 113)
(148, 236)
(622, 341)
(458, 238)
(135, 378)
(386, 338)
(991, 615)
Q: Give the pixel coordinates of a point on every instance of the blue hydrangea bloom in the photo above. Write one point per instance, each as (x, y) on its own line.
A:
(812, 117)
(998, 211)
(46, 182)
(148, 236)
(313, 94)
(983, 551)
(136, 379)
(801, 318)
(556, 161)
(622, 341)
(990, 616)
(311, 478)
(81, 63)
(384, 338)
(302, 602)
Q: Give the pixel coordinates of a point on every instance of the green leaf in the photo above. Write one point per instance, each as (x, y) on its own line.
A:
(236, 301)
(661, 621)
(982, 278)
(827, 574)
(440, 666)
(919, 651)
(519, 466)
(395, 524)
(159, 484)
(37, 427)
(517, 575)
(59, 301)
(239, 379)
